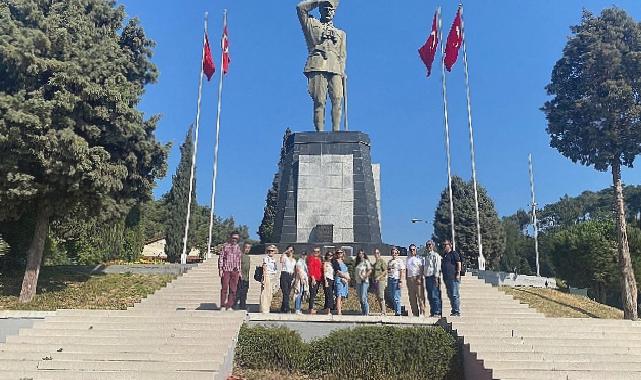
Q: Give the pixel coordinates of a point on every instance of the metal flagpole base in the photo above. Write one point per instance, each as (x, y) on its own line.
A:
(183, 259)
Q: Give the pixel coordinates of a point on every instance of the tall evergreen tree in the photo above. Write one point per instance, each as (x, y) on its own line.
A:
(594, 116)
(266, 229)
(71, 76)
(176, 200)
(465, 223)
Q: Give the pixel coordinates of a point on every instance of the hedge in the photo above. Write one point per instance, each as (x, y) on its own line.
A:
(368, 353)
(277, 349)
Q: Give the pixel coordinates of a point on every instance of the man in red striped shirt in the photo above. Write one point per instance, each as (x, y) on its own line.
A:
(229, 270)
(315, 270)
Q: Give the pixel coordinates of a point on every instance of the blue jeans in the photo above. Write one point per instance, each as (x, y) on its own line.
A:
(361, 289)
(298, 299)
(453, 294)
(394, 289)
(433, 295)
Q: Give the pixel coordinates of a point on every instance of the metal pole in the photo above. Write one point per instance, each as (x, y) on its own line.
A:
(534, 221)
(183, 256)
(213, 182)
(447, 130)
(481, 259)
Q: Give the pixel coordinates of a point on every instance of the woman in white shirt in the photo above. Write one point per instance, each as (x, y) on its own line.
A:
(361, 273)
(395, 275)
(287, 266)
(301, 283)
(270, 282)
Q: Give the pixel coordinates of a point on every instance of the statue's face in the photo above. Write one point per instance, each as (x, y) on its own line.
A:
(327, 12)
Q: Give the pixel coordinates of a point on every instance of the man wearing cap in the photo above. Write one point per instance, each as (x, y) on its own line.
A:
(229, 265)
(325, 67)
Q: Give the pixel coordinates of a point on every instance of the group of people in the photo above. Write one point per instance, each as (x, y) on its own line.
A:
(302, 278)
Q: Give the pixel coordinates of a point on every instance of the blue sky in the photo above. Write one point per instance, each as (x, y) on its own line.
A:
(512, 47)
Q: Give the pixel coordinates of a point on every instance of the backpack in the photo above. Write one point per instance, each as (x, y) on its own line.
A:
(258, 273)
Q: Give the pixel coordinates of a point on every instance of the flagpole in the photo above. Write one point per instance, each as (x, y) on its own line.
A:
(183, 256)
(213, 182)
(481, 258)
(534, 221)
(447, 131)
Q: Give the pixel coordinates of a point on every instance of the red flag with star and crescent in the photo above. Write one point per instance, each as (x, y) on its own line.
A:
(208, 62)
(427, 52)
(225, 46)
(454, 41)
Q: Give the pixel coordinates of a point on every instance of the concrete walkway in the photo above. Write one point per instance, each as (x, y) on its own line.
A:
(173, 334)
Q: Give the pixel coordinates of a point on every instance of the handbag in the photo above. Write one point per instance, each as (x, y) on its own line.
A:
(258, 273)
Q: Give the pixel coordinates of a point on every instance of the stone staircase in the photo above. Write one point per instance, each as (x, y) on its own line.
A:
(503, 339)
(172, 334)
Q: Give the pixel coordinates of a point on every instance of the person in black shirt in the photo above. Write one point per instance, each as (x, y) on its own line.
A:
(451, 268)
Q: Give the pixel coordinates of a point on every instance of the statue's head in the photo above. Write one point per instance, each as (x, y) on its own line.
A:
(328, 10)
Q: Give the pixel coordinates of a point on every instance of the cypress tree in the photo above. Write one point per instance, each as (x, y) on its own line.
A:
(176, 200)
(493, 236)
(266, 229)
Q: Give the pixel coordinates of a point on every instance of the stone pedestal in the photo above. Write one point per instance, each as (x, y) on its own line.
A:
(329, 191)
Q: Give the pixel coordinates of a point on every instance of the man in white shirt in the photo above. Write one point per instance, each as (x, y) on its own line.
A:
(432, 272)
(415, 287)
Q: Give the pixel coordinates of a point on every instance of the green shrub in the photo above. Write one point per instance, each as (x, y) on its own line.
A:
(368, 353)
(270, 348)
(375, 352)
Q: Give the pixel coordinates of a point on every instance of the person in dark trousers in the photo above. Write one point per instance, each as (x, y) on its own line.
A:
(287, 265)
(328, 283)
(315, 271)
(451, 268)
(243, 281)
(229, 270)
(432, 272)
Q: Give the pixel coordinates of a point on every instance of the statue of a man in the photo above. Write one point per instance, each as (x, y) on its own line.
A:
(325, 67)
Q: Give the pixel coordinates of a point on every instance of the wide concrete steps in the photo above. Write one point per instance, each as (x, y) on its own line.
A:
(171, 335)
(503, 339)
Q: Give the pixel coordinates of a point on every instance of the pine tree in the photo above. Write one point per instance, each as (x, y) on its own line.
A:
(71, 76)
(594, 116)
(493, 236)
(176, 200)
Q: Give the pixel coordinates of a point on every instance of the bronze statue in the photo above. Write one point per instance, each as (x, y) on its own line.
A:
(325, 67)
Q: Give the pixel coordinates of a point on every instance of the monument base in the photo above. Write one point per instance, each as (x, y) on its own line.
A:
(328, 193)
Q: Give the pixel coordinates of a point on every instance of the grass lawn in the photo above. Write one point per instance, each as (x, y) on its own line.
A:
(67, 289)
(351, 305)
(554, 303)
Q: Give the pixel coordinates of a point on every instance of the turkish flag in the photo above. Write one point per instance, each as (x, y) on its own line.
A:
(208, 62)
(454, 41)
(427, 52)
(225, 46)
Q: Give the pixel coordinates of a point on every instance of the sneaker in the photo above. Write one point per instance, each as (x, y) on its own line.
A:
(298, 312)
(455, 315)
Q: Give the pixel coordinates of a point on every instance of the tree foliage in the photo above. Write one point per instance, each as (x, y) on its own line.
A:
(594, 116)
(177, 199)
(71, 76)
(266, 228)
(493, 236)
